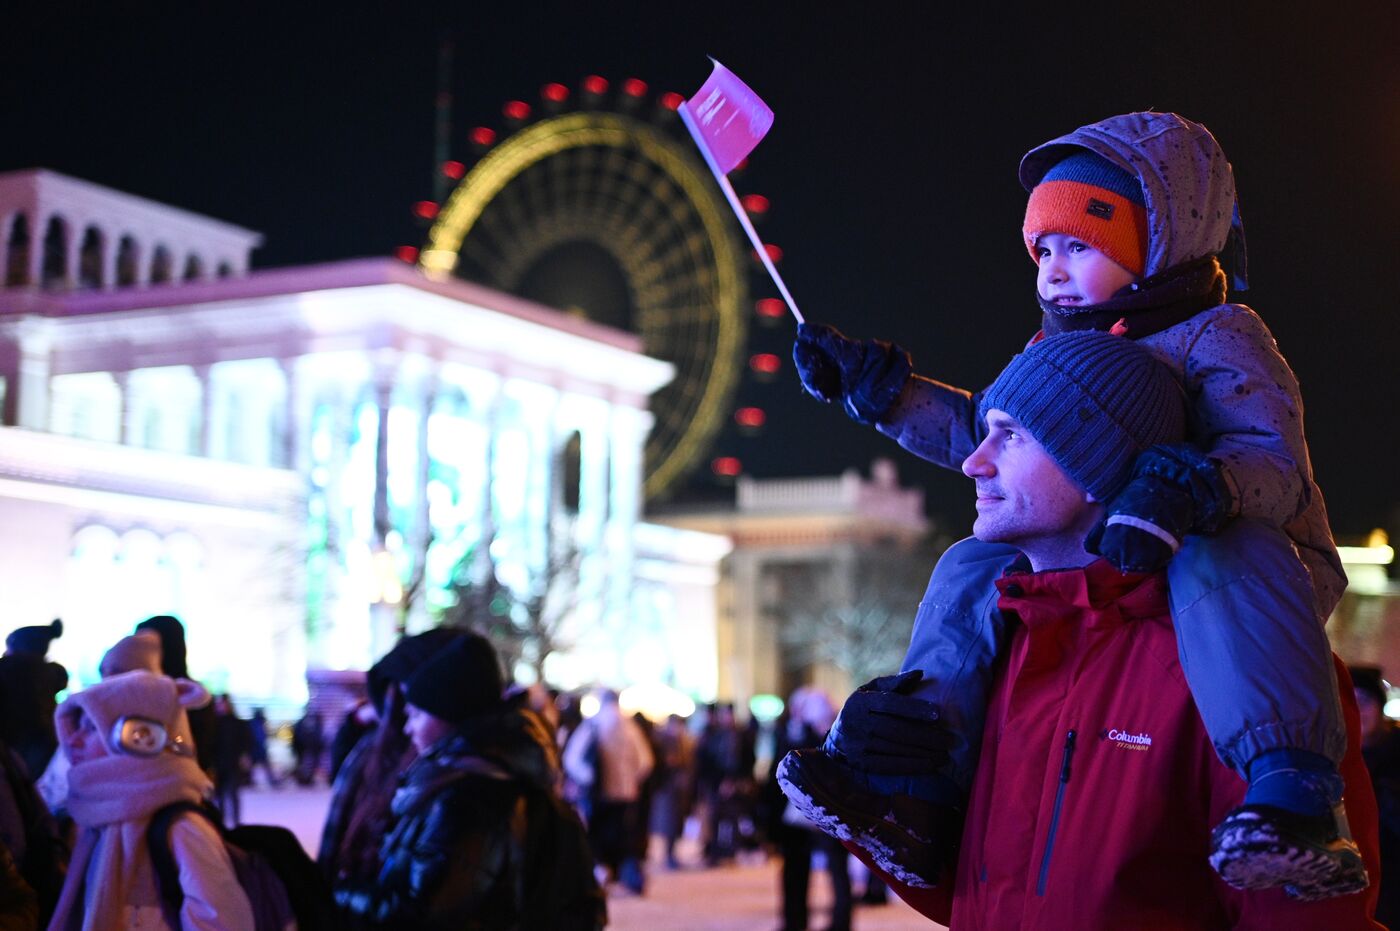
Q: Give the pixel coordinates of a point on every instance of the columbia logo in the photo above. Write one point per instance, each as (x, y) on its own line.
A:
(1127, 740)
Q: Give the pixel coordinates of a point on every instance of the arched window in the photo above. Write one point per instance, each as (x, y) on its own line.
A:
(90, 259)
(160, 265)
(17, 255)
(54, 273)
(225, 270)
(194, 268)
(128, 262)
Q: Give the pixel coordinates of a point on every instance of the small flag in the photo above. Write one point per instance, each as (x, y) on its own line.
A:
(730, 117)
(727, 120)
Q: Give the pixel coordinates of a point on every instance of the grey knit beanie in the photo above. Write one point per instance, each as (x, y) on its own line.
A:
(1094, 401)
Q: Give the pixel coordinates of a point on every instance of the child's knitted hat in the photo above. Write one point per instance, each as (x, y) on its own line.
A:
(139, 651)
(138, 694)
(1094, 401)
(1090, 198)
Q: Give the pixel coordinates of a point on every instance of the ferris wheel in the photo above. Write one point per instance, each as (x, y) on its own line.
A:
(600, 207)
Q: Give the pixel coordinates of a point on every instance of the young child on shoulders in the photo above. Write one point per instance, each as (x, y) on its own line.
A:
(1128, 221)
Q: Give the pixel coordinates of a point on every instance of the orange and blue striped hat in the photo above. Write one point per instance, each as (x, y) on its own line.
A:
(1090, 198)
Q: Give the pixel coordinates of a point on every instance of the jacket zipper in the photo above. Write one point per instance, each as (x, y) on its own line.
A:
(1055, 813)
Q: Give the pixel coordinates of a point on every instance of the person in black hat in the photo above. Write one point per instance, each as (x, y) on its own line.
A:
(1380, 748)
(29, 682)
(480, 837)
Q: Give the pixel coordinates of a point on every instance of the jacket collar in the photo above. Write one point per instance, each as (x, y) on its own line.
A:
(1097, 592)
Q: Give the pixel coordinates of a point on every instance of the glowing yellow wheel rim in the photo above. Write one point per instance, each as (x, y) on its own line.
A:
(548, 207)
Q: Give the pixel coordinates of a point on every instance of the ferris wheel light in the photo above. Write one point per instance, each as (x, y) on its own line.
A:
(771, 307)
(775, 253)
(755, 204)
(671, 100)
(454, 170)
(765, 363)
(425, 209)
(407, 254)
(750, 417)
(483, 136)
(516, 110)
(727, 466)
(634, 87)
(554, 93)
(593, 84)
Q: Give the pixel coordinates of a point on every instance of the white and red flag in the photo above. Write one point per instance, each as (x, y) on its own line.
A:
(727, 120)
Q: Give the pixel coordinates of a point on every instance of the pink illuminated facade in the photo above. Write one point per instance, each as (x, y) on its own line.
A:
(299, 462)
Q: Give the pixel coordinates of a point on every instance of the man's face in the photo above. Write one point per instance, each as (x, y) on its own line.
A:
(1073, 273)
(1025, 499)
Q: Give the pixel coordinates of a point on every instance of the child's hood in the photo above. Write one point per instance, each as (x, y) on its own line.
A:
(1187, 184)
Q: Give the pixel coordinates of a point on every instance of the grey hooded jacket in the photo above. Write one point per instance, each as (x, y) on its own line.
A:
(1246, 409)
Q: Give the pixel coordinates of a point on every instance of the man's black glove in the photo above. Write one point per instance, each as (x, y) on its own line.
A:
(882, 729)
(1175, 490)
(866, 376)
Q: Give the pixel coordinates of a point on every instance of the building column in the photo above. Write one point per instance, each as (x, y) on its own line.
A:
(110, 244)
(123, 380)
(384, 616)
(31, 381)
(295, 453)
(35, 259)
(72, 245)
(204, 444)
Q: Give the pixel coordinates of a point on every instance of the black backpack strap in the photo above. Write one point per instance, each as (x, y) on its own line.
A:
(162, 857)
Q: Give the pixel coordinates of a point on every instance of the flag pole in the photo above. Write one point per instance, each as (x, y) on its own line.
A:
(739, 210)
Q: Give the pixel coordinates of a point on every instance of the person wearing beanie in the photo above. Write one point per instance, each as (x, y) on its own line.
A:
(1134, 227)
(29, 685)
(1096, 786)
(128, 762)
(358, 816)
(171, 634)
(479, 837)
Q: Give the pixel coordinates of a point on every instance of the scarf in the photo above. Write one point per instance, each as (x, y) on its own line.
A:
(1146, 307)
(112, 800)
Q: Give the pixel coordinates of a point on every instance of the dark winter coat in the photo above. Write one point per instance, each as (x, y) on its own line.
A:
(478, 841)
(1097, 786)
(28, 685)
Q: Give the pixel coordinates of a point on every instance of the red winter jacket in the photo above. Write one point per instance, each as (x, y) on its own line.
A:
(1097, 786)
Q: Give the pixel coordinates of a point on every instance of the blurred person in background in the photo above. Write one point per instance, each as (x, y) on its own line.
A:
(174, 663)
(804, 723)
(232, 760)
(308, 745)
(675, 784)
(29, 684)
(359, 814)
(723, 773)
(611, 757)
(480, 837)
(1380, 748)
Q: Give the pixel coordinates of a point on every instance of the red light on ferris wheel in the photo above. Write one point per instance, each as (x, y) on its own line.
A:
(775, 253)
(770, 307)
(554, 93)
(727, 466)
(765, 363)
(516, 110)
(755, 204)
(750, 417)
(426, 209)
(454, 170)
(593, 84)
(634, 87)
(407, 254)
(671, 100)
(482, 136)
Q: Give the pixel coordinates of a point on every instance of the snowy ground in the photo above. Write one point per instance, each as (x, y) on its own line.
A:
(743, 897)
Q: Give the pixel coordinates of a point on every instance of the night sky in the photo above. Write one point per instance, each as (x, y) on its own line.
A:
(891, 166)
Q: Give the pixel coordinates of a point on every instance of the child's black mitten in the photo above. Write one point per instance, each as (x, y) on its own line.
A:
(882, 729)
(1175, 490)
(865, 375)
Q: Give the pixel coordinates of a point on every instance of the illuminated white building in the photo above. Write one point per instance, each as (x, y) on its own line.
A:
(274, 456)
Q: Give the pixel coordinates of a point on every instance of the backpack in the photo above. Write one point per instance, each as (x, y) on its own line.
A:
(561, 891)
(281, 882)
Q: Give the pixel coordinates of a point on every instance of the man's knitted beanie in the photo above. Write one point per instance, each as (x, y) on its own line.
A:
(462, 680)
(34, 640)
(1094, 401)
(1090, 198)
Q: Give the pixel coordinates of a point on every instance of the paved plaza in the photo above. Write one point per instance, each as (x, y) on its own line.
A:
(742, 897)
